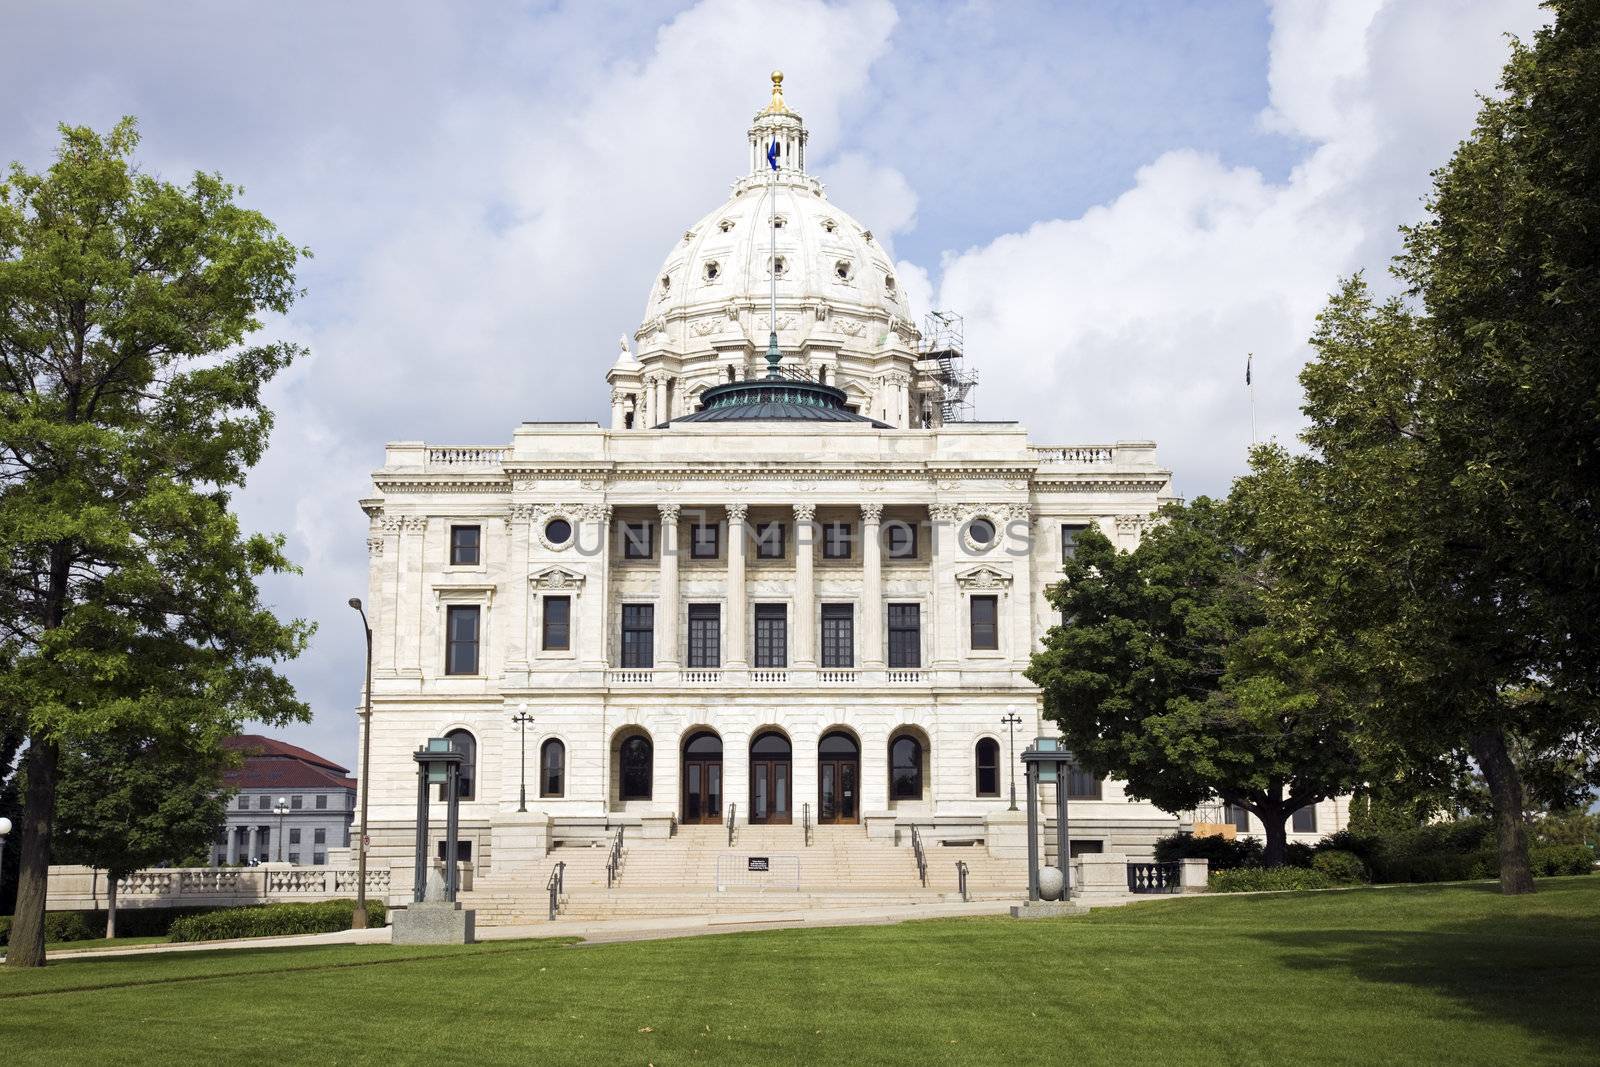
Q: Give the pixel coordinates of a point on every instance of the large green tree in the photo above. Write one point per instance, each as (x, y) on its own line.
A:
(129, 799)
(130, 409)
(1171, 673)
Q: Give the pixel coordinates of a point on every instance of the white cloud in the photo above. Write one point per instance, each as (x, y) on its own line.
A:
(1134, 319)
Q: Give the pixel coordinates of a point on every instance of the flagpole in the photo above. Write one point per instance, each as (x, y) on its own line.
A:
(1251, 385)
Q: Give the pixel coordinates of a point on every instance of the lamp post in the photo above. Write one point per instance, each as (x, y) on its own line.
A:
(522, 719)
(358, 919)
(1011, 721)
(5, 828)
(280, 809)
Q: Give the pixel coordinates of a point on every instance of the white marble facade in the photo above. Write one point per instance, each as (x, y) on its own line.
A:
(551, 508)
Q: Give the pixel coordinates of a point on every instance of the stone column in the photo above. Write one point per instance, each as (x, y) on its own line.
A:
(945, 520)
(805, 586)
(233, 845)
(519, 523)
(386, 628)
(618, 415)
(250, 843)
(736, 586)
(872, 657)
(641, 415)
(413, 567)
(593, 619)
(667, 600)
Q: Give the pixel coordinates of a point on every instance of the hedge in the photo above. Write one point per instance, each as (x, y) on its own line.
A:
(1267, 879)
(1345, 868)
(273, 920)
(58, 926)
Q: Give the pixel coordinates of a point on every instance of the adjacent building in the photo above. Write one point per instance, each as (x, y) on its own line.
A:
(317, 796)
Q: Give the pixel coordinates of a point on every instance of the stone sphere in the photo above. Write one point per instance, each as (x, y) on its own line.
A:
(1051, 883)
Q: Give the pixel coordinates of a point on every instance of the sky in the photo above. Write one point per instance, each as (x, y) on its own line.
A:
(1122, 199)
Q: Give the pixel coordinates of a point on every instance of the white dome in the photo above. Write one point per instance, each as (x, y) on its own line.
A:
(822, 252)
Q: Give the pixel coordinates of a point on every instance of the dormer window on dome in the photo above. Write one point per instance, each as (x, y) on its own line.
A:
(888, 282)
(777, 266)
(828, 225)
(843, 271)
(777, 222)
(713, 270)
(725, 225)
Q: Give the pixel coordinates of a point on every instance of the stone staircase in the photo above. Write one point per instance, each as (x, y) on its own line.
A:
(841, 868)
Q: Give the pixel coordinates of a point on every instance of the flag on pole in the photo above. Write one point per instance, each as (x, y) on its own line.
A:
(772, 154)
(1249, 357)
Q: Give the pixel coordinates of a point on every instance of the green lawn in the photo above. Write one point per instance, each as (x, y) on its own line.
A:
(1453, 974)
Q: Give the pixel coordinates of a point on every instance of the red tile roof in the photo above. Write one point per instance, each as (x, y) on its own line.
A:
(274, 764)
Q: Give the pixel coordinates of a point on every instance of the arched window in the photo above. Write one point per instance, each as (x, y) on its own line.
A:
(905, 768)
(636, 759)
(987, 758)
(467, 745)
(552, 769)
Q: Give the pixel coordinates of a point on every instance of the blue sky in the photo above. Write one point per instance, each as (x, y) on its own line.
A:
(1122, 198)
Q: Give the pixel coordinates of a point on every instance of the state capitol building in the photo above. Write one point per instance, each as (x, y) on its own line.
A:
(789, 583)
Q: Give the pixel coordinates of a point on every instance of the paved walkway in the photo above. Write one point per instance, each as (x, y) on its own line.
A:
(603, 931)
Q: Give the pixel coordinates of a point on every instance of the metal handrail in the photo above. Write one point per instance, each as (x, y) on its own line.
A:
(922, 858)
(805, 821)
(961, 878)
(556, 886)
(614, 861)
(732, 808)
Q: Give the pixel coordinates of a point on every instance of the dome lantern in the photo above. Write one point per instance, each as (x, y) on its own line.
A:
(778, 137)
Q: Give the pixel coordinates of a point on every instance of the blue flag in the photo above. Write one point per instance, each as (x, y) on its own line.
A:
(772, 154)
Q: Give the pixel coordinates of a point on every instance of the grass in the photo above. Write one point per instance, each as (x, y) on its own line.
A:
(1405, 975)
(104, 942)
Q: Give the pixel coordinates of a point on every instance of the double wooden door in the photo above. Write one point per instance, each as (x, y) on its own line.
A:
(838, 791)
(771, 795)
(702, 790)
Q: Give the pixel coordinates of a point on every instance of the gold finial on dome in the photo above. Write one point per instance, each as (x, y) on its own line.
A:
(777, 107)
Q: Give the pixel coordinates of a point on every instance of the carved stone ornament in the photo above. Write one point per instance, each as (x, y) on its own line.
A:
(591, 483)
(594, 512)
(705, 327)
(985, 578)
(669, 512)
(374, 546)
(1129, 524)
(944, 512)
(737, 512)
(731, 310)
(871, 512)
(557, 579)
(848, 326)
(805, 512)
(523, 513)
(821, 310)
(414, 523)
(390, 524)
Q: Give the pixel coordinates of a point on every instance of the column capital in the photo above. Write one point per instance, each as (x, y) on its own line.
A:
(805, 512)
(871, 512)
(669, 512)
(737, 512)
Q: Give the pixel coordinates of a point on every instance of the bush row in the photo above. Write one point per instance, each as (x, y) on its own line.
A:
(88, 925)
(59, 926)
(1259, 879)
(273, 920)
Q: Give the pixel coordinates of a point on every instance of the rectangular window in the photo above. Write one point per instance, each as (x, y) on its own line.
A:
(838, 635)
(770, 540)
(464, 542)
(262, 803)
(900, 539)
(638, 540)
(638, 635)
(1081, 785)
(461, 639)
(319, 858)
(463, 850)
(905, 635)
(1304, 821)
(1086, 848)
(244, 803)
(703, 538)
(295, 801)
(705, 635)
(1069, 538)
(322, 801)
(557, 623)
(319, 837)
(985, 623)
(836, 538)
(294, 857)
(772, 635)
(294, 837)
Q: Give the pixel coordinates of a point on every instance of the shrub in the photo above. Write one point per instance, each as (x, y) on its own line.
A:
(1219, 852)
(273, 920)
(1561, 859)
(58, 926)
(1345, 868)
(1299, 854)
(1268, 879)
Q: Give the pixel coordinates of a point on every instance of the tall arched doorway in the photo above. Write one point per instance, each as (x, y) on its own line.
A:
(702, 778)
(838, 778)
(771, 795)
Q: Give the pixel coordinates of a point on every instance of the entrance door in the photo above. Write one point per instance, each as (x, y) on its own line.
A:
(771, 789)
(702, 778)
(838, 779)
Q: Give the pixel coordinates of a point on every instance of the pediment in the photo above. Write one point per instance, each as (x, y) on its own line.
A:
(984, 577)
(556, 579)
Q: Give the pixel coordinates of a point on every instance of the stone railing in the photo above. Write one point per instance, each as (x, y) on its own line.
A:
(1075, 455)
(74, 888)
(468, 456)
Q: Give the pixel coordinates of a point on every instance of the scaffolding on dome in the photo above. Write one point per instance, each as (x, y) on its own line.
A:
(944, 341)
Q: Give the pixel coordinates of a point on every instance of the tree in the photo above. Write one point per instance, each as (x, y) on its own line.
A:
(1172, 674)
(130, 408)
(128, 800)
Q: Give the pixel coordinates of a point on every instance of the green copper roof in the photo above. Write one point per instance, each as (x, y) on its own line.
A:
(775, 400)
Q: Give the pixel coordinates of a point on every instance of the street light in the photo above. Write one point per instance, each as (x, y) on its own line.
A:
(358, 919)
(5, 828)
(522, 719)
(280, 809)
(1011, 721)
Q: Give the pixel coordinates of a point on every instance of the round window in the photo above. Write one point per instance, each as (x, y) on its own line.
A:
(981, 531)
(558, 531)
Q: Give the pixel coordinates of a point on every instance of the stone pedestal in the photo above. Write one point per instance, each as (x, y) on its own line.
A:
(1046, 909)
(655, 827)
(1006, 834)
(520, 841)
(433, 922)
(880, 826)
(1194, 875)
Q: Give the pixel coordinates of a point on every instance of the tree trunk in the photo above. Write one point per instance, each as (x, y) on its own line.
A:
(1273, 824)
(1505, 788)
(111, 905)
(38, 810)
